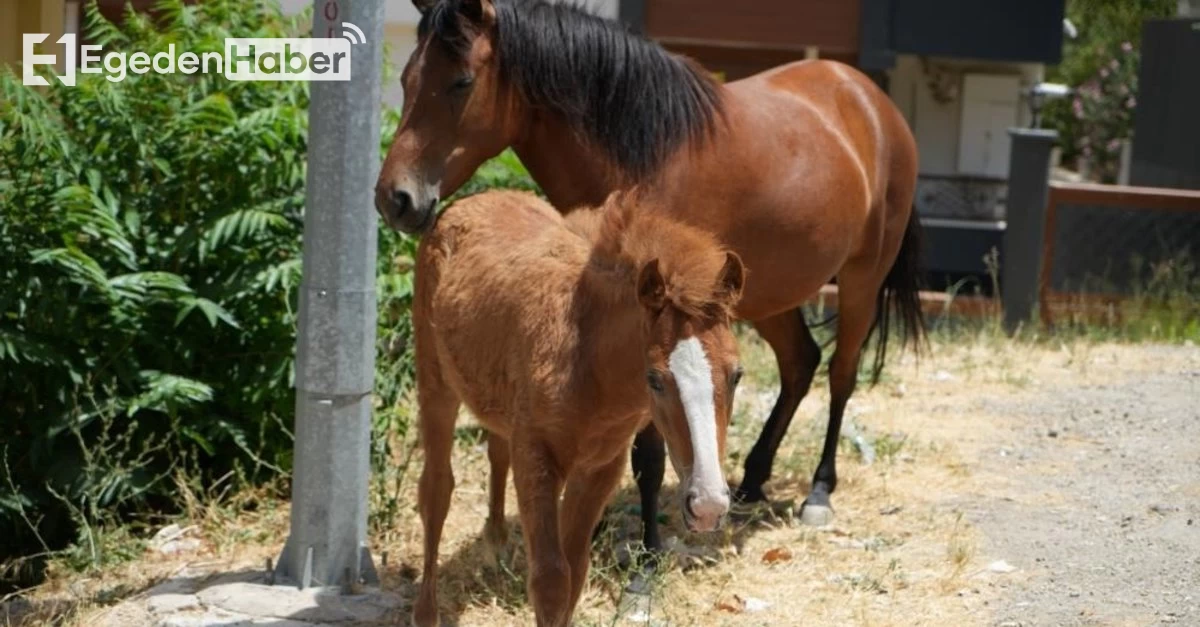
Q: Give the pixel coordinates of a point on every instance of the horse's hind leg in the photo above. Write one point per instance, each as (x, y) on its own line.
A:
(798, 356)
(495, 530)
(857, 293)
(438, 410)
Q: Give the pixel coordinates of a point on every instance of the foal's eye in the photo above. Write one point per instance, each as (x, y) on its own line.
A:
(736, 377)
(654, 380)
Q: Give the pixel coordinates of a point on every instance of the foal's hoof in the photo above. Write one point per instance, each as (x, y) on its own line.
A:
(425, 613)
(495, 534)
(495, 542)
(814, 515)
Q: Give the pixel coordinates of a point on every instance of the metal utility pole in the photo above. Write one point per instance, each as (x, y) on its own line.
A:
(335, 360)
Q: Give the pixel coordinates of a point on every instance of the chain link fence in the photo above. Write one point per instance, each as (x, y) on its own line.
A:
(1128, 254)
(1123, 251)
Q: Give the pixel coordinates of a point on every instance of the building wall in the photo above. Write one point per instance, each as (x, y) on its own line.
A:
(30, 16)
(929, 92)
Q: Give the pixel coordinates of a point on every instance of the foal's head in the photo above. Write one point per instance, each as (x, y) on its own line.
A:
(692, 367)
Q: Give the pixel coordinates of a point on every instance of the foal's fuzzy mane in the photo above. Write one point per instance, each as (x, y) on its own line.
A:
(624, 93)
(625, 234)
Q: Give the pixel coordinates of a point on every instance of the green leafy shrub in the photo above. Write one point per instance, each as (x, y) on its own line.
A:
(149, 248)
(149, 261)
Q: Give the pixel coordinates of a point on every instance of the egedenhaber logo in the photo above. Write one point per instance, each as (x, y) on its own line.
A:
(244, 59)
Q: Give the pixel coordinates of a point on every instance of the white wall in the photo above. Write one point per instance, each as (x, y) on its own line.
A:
(937, 124)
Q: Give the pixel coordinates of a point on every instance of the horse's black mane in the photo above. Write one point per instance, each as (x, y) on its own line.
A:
(624, 93)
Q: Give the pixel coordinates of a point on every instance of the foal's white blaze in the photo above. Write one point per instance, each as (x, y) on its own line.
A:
(693, 376)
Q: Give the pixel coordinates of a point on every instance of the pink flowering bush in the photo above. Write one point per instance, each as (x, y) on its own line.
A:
(1102, 109)
(1103, 60)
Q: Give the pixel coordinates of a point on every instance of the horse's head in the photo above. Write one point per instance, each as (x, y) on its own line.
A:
(692, 371)
(457, 112)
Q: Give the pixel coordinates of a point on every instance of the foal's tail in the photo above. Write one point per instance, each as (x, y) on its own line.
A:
(900, 296)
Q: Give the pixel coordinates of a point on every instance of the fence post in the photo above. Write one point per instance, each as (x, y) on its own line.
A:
(335, 349)
(1028, 185)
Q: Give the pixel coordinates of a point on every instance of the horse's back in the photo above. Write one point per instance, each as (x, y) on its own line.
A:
(841, 95)
(809, 159)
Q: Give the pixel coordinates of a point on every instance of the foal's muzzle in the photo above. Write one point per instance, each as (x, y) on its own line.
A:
(703, 511)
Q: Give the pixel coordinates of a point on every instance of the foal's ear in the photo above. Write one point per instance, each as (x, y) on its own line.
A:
(481, 12)
(731, 278)
(423, 6)
(652, 290)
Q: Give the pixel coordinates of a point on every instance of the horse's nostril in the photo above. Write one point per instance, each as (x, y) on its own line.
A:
(402, 202)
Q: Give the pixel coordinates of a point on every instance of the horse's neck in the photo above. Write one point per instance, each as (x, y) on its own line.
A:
(571, 174)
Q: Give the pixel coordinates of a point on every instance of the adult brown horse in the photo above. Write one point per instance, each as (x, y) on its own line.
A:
(561, 336)
(807, 171)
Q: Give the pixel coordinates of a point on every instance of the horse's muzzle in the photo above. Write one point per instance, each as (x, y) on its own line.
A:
(401, 213)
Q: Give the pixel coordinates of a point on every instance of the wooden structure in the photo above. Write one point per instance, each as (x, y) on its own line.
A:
(742, 38)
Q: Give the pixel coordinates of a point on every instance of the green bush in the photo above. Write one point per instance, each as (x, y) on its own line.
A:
(149, 262)
(149, 247)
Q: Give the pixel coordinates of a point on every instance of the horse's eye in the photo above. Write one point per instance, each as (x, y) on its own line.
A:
(463, 83)
(654, 380)
(736, 377)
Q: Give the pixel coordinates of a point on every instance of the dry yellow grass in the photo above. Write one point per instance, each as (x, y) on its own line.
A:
(901, 551)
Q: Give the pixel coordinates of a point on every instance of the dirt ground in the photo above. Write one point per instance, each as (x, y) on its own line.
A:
(1011, 484)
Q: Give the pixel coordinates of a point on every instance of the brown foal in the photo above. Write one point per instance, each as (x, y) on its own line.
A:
(562, 336)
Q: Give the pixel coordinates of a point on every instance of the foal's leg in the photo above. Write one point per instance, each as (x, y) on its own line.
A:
(539, 484)
(438, 410)
(857, 291)
(798, 356)
(583, 502)
(495, 530)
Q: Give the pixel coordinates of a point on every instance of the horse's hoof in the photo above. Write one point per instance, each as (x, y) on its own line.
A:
(815, 515)
(747, 496)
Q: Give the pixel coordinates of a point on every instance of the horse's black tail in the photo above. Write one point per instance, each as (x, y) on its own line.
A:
(900, 295)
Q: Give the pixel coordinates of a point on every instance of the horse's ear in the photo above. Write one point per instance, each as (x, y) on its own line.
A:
(481, 12)
(731, 279)
(423, 6)
(652, 290)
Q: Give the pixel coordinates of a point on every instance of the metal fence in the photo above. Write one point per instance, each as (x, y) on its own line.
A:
(960, 197)
(1105, 243)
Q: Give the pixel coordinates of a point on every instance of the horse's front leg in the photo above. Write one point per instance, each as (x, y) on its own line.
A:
(586, 495)
(539, 484)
